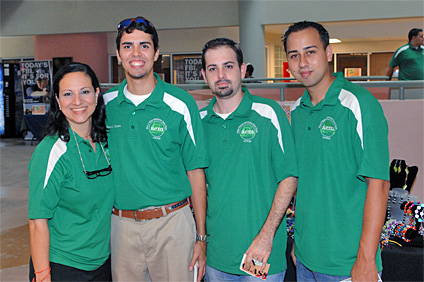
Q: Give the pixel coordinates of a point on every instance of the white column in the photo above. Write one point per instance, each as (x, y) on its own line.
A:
(252, 35)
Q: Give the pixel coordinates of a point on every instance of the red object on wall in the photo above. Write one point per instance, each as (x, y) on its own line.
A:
(286, 72)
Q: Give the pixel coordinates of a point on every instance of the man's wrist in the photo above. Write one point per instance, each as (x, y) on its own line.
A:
(202, 238)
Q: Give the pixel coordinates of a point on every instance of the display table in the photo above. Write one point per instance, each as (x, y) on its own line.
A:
(399, 263)
(36, 123)
(402, 263)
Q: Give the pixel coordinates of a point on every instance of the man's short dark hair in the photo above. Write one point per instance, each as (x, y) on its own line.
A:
(299, 26)
(218, 42)
(413, 32)
(147, 28)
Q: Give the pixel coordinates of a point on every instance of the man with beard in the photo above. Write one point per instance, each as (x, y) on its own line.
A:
(251, 153)
(158, 155)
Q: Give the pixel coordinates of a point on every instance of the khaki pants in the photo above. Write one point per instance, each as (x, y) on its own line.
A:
(154, 250)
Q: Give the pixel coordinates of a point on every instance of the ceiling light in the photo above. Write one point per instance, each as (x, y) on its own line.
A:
(335, 40)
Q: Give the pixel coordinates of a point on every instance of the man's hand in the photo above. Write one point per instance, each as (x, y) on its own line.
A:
(199, 254)
(261, 246)
(363, 270)
(260, 250)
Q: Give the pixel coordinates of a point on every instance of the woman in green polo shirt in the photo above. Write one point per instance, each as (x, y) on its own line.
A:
(70, 184)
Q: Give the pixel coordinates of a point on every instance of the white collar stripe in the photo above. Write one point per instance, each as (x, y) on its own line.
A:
(268, 112)
(348, 100)
(59, 148)
(401, 50)
(110, 96)
(180, 107)
(203, 114)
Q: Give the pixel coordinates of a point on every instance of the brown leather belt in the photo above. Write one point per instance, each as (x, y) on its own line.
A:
(148, 214)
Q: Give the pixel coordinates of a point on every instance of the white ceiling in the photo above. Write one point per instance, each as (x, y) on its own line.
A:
(363, 30)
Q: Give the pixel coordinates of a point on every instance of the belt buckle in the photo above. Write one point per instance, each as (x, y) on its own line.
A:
(135, 215)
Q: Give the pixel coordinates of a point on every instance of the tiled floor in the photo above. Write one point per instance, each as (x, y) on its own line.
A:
(14, 253)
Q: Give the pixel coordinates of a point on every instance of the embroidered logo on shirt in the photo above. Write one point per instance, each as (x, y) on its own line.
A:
(156, 127)
(247, 131)
(328, 128)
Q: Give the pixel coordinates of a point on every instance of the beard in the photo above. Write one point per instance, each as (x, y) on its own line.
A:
(223, 92)
(137, 76)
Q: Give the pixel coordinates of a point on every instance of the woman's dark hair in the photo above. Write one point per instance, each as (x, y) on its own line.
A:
(56, 120)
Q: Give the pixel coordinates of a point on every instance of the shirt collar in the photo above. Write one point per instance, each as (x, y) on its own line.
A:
(414, 48)
(242, 110)
(155, 98)
(332, 95)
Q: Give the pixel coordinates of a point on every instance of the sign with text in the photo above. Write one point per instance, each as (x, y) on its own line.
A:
(36, 86)
(192, 68)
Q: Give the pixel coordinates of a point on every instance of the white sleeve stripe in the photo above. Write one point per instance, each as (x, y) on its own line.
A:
(269, 113)
(401, 50)
(58, 149)
(180, 107)
(110, 96)
(348, 100)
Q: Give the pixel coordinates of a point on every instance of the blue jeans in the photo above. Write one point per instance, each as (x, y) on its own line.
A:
(306, 275)
(213, 275)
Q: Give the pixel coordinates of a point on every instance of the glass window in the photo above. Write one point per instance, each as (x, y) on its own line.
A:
(379, 63)
(187, 67)
(278, 61)
(353, 64)
(163, 68)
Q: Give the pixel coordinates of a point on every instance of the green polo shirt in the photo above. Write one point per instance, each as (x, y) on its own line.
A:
(153, 144)
(78, 208)
(410, 61)
(339, 142)
(250, 152)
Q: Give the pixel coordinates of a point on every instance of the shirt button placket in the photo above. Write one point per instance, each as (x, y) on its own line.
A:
(132, 123)
(225, 135)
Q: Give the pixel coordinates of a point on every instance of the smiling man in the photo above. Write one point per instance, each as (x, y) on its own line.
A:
(340, 134)
(158, 155)
(251, 154)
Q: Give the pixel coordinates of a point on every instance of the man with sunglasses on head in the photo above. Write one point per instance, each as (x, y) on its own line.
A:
(157, 149)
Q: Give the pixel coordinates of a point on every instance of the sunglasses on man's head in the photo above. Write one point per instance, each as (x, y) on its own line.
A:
(126, 23)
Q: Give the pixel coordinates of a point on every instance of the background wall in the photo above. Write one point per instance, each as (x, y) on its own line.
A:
(406, 136)
(89, 48)
(25, 17)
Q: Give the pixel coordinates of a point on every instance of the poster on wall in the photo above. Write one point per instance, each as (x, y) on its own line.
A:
(36, 86)
(351, 72)
(2, 124)
(192, 68)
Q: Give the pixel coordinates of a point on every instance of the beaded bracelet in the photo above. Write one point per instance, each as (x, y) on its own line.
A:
(402, 230)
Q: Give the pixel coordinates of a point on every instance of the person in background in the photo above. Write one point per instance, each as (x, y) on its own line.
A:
(249, 71)
(251, 152)
(157, 146)
(341, 138)
(409, 58)
(70, 184)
